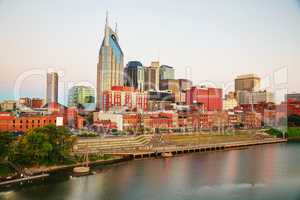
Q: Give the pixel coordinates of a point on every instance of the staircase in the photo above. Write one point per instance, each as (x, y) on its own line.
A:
(102, 145)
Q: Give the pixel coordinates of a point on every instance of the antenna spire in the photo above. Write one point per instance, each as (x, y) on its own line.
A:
(106, 18)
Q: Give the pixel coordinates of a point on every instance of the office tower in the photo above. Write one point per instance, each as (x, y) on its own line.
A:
(81, 95)
(52, 87)
(152, 76)
(249, 82)
(110, 64)
(166, 72)
(134, 75)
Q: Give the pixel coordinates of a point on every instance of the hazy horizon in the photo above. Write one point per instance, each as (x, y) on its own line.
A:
(203, 40)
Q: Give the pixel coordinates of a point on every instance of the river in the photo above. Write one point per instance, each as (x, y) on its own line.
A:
(259, 172)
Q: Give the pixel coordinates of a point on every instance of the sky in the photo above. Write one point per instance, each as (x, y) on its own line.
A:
(208, 41)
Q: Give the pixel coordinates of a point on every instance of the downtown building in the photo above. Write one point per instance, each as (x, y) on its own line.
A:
(81, 96)
(248, 82)
(52, 87)
(152, 76)
(110, 64)
(134, 75)
(122, 98)
(166, 72)
(208, 99)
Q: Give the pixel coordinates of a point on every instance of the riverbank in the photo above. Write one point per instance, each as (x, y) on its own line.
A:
(118, 157)
(53, 169)
(41, 173)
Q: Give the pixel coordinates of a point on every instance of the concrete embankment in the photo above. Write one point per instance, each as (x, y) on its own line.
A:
(157, 151)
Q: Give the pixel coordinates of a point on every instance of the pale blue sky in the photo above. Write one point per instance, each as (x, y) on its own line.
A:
(214, 39)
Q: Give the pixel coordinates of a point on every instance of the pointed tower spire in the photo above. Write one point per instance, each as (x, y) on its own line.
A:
(106, 18)
(106, 30)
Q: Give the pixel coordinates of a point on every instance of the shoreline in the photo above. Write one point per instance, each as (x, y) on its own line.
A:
(53, 170)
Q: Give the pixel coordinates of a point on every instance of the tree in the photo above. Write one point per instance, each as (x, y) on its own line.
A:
(44, 145)
(6, 140)
(35, 147)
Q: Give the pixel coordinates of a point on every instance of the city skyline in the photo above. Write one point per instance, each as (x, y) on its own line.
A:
(268, 42)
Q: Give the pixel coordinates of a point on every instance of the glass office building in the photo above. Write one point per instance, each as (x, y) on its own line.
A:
(166, 72)
(81, 96)
(110, 65)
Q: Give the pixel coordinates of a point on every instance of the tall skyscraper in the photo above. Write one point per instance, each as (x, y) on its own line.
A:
(52, 87)
(110, 64)
(134, 75)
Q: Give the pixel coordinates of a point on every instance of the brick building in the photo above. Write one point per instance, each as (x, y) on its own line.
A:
(211, 98)
(121, 97)
(23, 124)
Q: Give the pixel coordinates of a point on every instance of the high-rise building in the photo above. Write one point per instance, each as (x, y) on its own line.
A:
(52, 87)
(211, 98)
(81, 95)
(152, 76)
(134, 75)
(166, 72)
(249, 82)
(110, 65)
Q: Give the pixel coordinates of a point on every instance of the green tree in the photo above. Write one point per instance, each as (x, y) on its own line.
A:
(6, 140)
(44, 145)
(36, 146)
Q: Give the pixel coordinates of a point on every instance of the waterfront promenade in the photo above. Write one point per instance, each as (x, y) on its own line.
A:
(154, 145)
(157, 151)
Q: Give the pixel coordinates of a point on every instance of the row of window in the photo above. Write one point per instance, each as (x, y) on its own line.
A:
(35, 121)
(14, 126)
